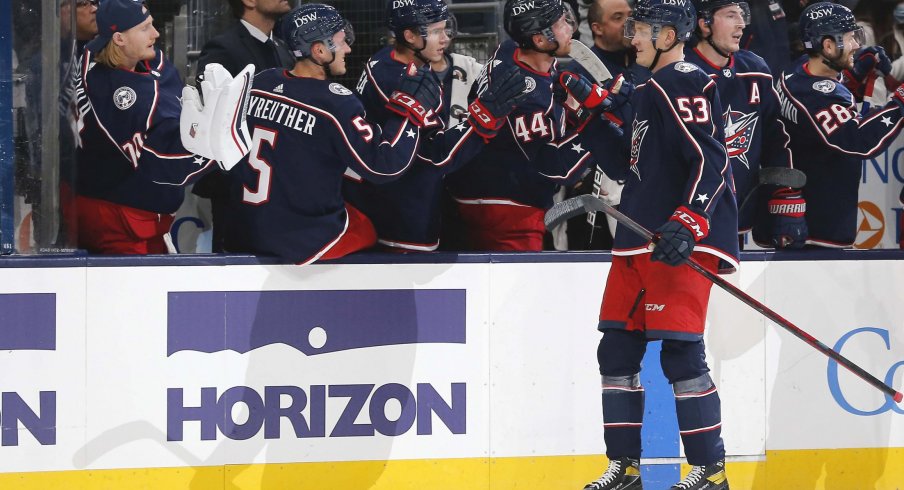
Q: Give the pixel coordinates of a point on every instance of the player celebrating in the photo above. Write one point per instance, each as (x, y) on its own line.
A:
(829, 139)
(407, 213)
(503, 193)
(754, 134)
(307, 131)
(132, 160)
(677, 184)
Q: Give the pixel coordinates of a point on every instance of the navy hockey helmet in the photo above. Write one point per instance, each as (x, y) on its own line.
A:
(678, 14)
(417, 15)
(524, 18)
(312, 23)
(825, 19)
(706, 9)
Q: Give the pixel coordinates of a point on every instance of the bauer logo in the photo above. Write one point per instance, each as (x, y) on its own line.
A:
(313, 322)
(869, 338)
(28, 323)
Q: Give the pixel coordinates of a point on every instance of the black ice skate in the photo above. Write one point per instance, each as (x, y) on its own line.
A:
(709, 477)
(622, 474)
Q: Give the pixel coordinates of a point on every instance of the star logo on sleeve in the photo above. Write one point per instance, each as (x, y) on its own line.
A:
(199, 160)
(702, 198)
(886, 121)
(577, 148)
(460, 126)
(409, 133)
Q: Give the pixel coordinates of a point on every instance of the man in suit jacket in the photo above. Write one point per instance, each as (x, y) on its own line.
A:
(250, 40)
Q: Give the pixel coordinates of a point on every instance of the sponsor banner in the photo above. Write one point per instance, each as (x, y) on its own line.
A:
(879, 223)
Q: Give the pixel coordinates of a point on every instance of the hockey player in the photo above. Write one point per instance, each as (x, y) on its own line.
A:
(407, 212)
(132, 160)
(308, 130)
(829, 138)
(503, 193)
(754, 134)
(678, 184)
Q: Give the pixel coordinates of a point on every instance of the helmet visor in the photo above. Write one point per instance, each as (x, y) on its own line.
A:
(637, 29)
(349, 33)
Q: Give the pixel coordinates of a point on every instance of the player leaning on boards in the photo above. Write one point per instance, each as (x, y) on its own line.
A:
(132, 162)
(407, 212)
(503, 193)
(754, 134)
(308, 130)
(678, 184)
(829, 138)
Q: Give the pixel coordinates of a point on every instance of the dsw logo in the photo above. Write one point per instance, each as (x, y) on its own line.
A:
(835, 388)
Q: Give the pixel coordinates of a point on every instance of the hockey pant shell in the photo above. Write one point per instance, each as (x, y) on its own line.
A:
(108, 228)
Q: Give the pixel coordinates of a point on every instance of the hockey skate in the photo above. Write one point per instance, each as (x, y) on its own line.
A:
(622, 474)
(709, 477)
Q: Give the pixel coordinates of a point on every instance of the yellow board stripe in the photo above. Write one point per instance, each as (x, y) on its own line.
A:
(880, 469)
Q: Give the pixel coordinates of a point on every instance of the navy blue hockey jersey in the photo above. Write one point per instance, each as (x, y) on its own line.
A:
(829, 140)
(306, 133)
(532, 153)
(407, 212)
(755, 136)
(678, 158)
(129, 148)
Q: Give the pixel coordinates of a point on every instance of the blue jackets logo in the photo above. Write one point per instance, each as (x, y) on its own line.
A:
(315, 323)
(835, 388)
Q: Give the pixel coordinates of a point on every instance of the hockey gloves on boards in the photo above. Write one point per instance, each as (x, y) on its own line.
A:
(789, 227)
(675, 239)
(212, 122)
(582, 99)
(505, 87)
(417, 97)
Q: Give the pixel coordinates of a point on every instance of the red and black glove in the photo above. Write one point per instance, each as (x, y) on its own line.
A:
(504, 88)
(787, 208)
(675, 240)
(866, 61)
(417, 97)
(582, 99)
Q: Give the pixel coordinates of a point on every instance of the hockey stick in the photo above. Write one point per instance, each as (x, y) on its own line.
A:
(586, 203)
(780, 176)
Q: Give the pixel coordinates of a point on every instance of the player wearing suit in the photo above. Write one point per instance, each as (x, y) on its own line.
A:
(131, 163)
(678, 184)
(407, 212)
(754, 134)
(829, 138)
(307, 131)
(503, 193)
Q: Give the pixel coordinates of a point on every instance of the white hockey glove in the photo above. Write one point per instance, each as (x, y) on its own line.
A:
(214, 126)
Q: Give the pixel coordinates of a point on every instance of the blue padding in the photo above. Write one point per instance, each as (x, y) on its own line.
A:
(660, 424)
(659, 476)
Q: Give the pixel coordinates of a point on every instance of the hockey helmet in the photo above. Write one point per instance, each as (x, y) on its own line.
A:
(524, 18)
(678, 14)
(825, 19)
(312, 23)
(418, 14)
(706, 9)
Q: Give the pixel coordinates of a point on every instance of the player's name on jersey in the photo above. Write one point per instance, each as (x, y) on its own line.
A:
(788, 109)
(280, 113)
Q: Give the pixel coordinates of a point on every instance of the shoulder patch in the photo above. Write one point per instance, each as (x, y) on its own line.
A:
(529, 85)
(685, 67)
(339, 89)
(124, 97)
(824, 86)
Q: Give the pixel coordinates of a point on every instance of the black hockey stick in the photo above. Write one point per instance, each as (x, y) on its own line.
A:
(586, 203)
(780, 176)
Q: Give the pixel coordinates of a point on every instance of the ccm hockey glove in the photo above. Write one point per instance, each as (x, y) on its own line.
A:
(582, 99)
(505, 87)
(789, 227)
(417, 97)
(677, 237)
(214, 127)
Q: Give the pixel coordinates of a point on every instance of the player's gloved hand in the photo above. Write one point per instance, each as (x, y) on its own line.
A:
(582, 99)
(505, 87)
(417, 97)
(866, 61)
(898, 96)
(677, 237)
(789, 227)
(212, 122)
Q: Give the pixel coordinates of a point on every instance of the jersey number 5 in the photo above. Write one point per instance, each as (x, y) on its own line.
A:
(261, 166)
(693, 109)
